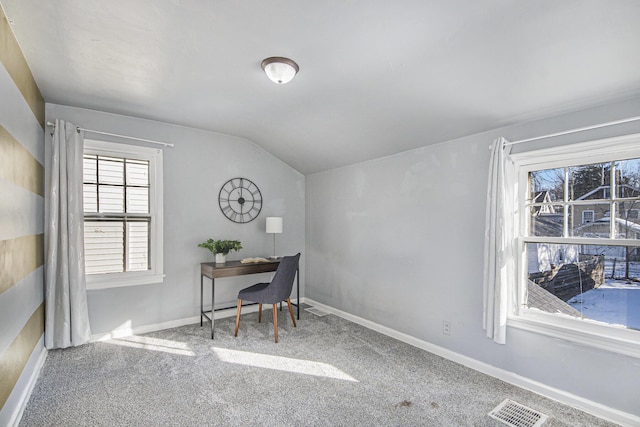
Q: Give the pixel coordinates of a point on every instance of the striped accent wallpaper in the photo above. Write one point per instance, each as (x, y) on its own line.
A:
(16, 65)
(21, 224)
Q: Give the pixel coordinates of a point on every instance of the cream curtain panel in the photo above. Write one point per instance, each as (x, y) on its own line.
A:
(66, 314)
(499, 244)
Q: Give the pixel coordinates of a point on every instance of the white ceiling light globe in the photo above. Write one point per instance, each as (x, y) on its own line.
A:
(280, 70)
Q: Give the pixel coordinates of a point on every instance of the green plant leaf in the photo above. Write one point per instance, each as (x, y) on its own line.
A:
(221, 246)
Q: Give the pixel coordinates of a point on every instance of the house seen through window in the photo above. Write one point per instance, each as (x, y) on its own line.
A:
(582, 242)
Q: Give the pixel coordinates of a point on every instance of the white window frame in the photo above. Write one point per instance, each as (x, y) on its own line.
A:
(583, 331)
(593, 216)
(156, 273)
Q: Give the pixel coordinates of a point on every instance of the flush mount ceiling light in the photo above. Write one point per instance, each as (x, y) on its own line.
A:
(280, 70)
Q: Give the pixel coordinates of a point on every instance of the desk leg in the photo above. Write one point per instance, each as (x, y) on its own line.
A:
(201, 307)
(298, 292)
(213, 302)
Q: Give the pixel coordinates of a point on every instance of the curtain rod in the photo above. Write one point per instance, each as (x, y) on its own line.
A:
(165, 144)
(567, 132)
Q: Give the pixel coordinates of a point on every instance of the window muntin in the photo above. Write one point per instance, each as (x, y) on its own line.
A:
(580, 260)
(123, 214)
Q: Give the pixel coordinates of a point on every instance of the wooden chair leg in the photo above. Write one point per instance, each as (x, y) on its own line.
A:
(238, 316)
(293, 319)
(275, 321)
(259, 312)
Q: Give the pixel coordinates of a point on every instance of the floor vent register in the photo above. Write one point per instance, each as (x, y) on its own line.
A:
(516, 415)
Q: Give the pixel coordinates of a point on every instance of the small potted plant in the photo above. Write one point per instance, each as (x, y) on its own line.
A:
(220, 248)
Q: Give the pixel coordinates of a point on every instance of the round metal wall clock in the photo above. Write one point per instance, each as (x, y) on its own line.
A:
(240, 200)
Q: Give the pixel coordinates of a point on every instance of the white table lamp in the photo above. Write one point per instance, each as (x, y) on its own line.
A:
(274, 226)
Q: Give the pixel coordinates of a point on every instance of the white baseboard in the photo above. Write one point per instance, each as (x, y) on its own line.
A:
(32, 370)
(126, 331)
(586, 405)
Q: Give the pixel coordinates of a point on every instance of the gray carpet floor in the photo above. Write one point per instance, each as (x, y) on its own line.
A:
(326, 372)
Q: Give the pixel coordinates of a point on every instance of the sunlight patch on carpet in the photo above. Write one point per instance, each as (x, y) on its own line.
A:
(153, 344)
(279, 363)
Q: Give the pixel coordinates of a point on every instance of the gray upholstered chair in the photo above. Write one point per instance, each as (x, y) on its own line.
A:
(272, 293)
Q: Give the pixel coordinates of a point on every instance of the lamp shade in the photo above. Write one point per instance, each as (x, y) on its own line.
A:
(274, 224)
(280, 70)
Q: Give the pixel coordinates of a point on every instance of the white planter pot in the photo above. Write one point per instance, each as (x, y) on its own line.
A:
(221, 258)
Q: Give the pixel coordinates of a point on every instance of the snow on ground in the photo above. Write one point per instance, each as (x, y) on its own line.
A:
(615, 302)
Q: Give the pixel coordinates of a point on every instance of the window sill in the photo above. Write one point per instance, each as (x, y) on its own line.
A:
(618, 340)
(118, 280)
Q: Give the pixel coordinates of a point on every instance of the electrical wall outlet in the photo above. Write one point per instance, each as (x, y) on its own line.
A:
(446, 327)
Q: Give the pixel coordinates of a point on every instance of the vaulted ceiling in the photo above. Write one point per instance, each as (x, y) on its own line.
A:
(376, 76)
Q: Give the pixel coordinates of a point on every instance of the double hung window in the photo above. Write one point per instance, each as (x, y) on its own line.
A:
(579, 240)
(122, 196)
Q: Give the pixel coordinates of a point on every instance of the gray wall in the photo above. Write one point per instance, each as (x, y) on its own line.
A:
(399, 241)
(194, 170)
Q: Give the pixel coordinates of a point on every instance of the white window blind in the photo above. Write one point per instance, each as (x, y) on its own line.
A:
(117, 217)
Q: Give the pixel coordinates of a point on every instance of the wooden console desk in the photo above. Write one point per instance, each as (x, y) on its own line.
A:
(215, 271)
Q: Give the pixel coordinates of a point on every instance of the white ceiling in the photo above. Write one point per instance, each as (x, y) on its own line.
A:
(376, 76)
